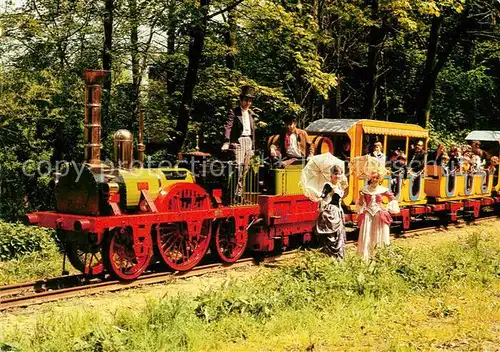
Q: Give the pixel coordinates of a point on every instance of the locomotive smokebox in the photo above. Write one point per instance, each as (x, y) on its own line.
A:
(123, 152)
(92, 123)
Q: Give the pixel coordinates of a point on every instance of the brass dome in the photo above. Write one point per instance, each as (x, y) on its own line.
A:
(123, 135)
(123, 153)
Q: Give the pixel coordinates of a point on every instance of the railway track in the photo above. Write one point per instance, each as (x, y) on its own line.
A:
(36, 292)
(48, 290)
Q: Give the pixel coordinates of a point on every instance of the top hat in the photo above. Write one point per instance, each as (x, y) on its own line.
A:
(247, 92)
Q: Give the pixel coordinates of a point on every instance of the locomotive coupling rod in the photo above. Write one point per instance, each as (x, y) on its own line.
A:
(255, 221)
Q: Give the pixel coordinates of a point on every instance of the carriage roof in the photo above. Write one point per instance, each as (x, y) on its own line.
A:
(327, 126)
(487, 136)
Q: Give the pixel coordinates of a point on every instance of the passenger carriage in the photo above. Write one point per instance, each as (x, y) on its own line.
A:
(409, 190)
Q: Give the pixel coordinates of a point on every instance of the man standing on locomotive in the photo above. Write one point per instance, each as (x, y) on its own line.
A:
(239, 134)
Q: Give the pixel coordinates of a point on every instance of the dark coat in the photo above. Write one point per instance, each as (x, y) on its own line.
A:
(234, 125)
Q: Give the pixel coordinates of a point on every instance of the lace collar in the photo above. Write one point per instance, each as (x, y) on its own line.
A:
(378, 190)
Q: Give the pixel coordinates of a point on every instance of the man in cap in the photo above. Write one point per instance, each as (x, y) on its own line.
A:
(239, 133)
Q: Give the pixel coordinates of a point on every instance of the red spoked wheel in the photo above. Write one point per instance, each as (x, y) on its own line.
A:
(125, 259)
(228, 244)
(179, 249)
(85, 258)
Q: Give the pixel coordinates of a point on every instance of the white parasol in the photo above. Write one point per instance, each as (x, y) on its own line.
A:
(316, 173)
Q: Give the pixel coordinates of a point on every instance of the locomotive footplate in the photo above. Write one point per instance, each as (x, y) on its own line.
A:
(99, 225)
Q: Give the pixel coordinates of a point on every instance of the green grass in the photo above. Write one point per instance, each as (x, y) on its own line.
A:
(27, 253)
(441, 296)
(31, 267)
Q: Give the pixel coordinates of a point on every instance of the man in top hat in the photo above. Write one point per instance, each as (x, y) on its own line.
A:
(239, 133)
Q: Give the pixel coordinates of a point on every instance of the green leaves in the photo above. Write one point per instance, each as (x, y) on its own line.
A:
(17, 240)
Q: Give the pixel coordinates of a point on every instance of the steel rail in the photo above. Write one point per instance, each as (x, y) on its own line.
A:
(116, 285)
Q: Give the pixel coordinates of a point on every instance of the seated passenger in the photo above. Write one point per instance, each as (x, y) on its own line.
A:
(293, 143)
(493, 164)
(399, 165)
(377, 152)
(345, 154)
(399, 170)
(467, 162)
(454, 163)
(436, 158)
(445, 159)
(418, 159)
(476, 149)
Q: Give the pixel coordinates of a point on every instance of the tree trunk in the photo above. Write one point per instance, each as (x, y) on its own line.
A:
(134, 50)
(375, 45)
(198, 33)
(315, 8)
(424, 98)
(171, 83)
(434, 63)
(335, 96)
(230, 37)
(107, 59)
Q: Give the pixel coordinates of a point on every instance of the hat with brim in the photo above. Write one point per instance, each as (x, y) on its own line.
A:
(247, 92)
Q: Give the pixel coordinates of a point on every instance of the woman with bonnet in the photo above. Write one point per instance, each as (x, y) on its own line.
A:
(374, 219)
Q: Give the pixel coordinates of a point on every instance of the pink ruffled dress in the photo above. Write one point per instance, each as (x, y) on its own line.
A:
(374, 220)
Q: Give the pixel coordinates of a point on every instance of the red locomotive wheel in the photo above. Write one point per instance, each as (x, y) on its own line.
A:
(180, 250)
(86, 259)
(226, 243)
(120, 258)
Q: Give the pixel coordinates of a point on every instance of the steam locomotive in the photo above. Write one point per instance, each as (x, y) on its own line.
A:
(120, 219)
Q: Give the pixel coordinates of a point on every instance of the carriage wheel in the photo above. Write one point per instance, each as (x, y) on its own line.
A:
(120, 258)
(228, 245)
(179, 249)
(85, 258)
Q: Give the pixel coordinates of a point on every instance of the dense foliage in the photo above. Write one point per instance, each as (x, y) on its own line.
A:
(436, 63)
(18, 240)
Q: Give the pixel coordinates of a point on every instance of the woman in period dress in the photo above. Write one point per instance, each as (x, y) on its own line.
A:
(330, 222)
(374, 220)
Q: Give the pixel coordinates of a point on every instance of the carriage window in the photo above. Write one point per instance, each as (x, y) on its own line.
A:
(394, 145)
(342, 147)
(368, 142)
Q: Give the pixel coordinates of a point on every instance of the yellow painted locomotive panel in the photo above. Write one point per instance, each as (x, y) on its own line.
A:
(287, 180)
(152, 180)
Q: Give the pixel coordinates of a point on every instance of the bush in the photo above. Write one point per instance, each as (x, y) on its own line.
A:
(17, 240)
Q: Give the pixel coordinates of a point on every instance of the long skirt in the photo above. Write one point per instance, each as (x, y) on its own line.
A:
(331, 231)
(374, 231)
